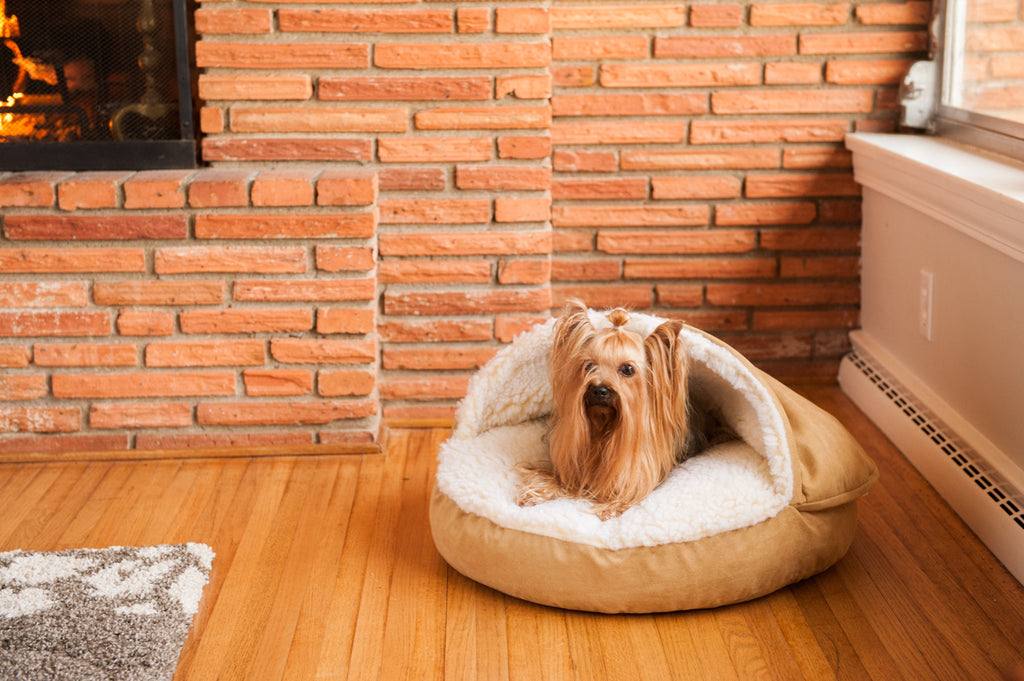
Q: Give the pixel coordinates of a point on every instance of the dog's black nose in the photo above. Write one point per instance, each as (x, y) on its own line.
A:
(598, 394)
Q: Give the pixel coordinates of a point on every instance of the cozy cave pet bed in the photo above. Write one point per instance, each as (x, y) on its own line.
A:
(742, 519)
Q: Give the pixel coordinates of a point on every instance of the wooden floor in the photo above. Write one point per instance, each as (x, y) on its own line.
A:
(325, 569)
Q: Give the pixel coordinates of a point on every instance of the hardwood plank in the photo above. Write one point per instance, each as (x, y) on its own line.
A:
(709, 648)
(538, 641)
(741, 642)
(476, 635)
(799, 636)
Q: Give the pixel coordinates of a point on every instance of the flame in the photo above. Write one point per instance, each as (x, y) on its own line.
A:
(8, 24)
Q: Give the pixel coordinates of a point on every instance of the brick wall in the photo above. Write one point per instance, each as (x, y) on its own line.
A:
(680, 158)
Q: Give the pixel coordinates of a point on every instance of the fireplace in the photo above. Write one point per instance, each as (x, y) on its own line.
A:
(95, 85)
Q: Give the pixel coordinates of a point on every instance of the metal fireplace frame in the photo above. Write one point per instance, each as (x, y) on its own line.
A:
(122, 154)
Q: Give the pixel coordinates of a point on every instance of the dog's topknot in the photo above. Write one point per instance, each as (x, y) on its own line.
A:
(618, 317)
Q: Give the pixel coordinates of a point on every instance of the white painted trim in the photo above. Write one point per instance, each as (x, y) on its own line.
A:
(976, 193)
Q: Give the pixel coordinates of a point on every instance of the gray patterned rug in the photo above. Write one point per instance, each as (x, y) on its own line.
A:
(87, 614)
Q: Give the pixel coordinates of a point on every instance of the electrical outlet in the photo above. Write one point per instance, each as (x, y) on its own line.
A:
(926, 304)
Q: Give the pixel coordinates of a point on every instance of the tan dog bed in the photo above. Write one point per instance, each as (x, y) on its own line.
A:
(736, 522)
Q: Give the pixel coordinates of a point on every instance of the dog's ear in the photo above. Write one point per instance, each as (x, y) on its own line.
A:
(666, 356)
(571, 330)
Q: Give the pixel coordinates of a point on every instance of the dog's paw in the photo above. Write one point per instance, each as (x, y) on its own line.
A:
(609, 510)
(538, 486)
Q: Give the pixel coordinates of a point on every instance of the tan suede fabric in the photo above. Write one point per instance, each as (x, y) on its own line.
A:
(830, 472)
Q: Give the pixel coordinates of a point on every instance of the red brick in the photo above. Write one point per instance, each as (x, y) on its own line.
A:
(690, 187)
(394, 89)
(591, 17)
(864, 72)
(629, 216)
(855, 43)
(523, 86)
(766, 131)
(636, 296)
(600, 47)
(509, 209)
(236, 87)
(435, 149)
(799, 14)
(134, 415)
(59, 444)
(22, 386)
(461, 55)
(282, 413)
(817, 157)
(827, 239)
(435, 211)
(841, 211)
(611, 188)
(436, 330)
(85, 355)
(792, 101)
(436, 359)
(618, 132)
(145, 323)
(345, 320)
(143, 384)
(96, 189)
(680, 75)
(629, 104)
(700, 268)
(524, 272)
(913, 12)
(221, 21)
(247, 320)
(44, 294)
(282, 188)
(214, 188)
(484, 118)
(573, 160)
(30, 190)
(422, 272)
(229, 259)
(420, 412)
(300, 290)
(572, 240)
(347, 188)
(233, 440)
(792, 213)
(262, 382)
(287, 149)
(801, 185)
(574, 76)
(50, 260)
(95, 227)
(274, 55)
(212, 119)
(347, 437)
(200, 292)
(699, 159)
(365, 21)
(344, 258)
(156, 189)
(412, 179)
(679, 295)
(198, 353)
(40, 419)
(716, 47)
(764, 295)
(303, 351)
(843, 267)
(465, 243)
(318, 119)
(522, 20)
(472, 19)
(526, 147)
(802, 320)
(792, 73)
(467, 302)
(283, 226)
(587, 269)
(716, 16)
(14, 356)
(503, 178)
(345, 382)
(27, 324)
(681, 241)
(439, 388)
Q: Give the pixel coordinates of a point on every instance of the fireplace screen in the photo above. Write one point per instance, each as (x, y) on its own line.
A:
(95, 84)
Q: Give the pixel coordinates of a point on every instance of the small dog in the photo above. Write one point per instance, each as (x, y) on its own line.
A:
(621, 419)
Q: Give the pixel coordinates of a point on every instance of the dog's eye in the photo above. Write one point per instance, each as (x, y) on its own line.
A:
(588, 367)
(627, 370)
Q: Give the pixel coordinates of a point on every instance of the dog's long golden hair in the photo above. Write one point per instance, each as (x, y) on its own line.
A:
(620, 420)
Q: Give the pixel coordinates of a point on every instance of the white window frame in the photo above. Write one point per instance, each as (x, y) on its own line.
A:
(927, 91)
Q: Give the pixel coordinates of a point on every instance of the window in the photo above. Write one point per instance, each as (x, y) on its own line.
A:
(973, 89)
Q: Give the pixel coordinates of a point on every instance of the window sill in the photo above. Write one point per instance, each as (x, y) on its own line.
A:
(975, 192)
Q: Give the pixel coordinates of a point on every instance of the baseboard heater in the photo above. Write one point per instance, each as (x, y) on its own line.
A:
(990, 503)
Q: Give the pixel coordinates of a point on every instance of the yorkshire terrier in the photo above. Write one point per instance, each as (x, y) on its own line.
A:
(622, 418)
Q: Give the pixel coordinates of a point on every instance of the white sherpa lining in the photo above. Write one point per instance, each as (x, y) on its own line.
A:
(502, 419)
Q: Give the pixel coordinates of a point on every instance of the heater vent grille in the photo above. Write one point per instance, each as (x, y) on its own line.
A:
(988, 481)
